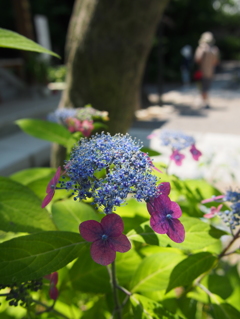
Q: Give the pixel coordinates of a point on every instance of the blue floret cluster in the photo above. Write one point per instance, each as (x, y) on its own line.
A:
(109, 168)
(176, 140)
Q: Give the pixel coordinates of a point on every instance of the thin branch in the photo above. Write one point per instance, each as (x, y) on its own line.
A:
(48, 309)
(222, 254)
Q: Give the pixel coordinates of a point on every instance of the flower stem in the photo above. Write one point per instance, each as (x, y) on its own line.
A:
(222, 254)
(117, 309)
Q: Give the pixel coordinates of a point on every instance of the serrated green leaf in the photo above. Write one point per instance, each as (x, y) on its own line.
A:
(20, 209)
(68, 214)
(34, 256)
(189, 269)
(45, 130)
(13, 40)
(153, 272)
(199, 235)
(145, 308)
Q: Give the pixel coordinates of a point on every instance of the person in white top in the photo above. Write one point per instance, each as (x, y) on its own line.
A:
(207, 57)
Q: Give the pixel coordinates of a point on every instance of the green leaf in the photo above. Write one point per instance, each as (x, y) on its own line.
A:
(153, 272)
(224, 311)
(224, 290)
(68, 214)
(30, 175)
(34, 256)
(13, 40)
(37, 180)
(45, 130)
(189, 269)
(150, 152)
(20, 209)
(99, 125)
(145, 308)
(88, 276)
(199, 235)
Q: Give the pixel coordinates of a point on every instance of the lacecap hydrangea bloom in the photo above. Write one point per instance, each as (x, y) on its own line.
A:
(231, 216)
(124, 167)
(79, 119)
(178, 141)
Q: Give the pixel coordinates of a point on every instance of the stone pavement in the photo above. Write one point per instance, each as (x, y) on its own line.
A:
(217, 131)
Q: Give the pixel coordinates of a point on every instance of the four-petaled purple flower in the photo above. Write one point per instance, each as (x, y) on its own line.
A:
(51, 188)
(195, 152)
(177, 157)
(106, 238)
(164, 214)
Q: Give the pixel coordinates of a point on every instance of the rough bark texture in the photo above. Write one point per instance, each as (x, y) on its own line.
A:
(108, 43)
(107, 47)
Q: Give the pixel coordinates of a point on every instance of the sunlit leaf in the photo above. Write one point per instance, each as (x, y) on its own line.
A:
(45, 130)
(13, 40)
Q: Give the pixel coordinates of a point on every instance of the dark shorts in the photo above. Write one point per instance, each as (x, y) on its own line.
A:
(205, 85)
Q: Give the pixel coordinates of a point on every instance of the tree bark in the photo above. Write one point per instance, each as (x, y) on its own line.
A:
(107, 46)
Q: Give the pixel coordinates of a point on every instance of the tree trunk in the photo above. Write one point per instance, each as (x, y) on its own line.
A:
(107, 46)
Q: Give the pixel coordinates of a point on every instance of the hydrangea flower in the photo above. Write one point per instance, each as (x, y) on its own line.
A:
(124, 169)
(106, 238)
(195, 152)
(79, 119)
(164, 217)
(53, 292)
(51, 188)
(178, 141)
(213, 211)
(177, 157)
(230, 217)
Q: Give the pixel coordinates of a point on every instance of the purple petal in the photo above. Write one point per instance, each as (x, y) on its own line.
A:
(102, 253)
(176, 231)
(53, 292)
(48, 198)
(112, 225)
(159, 205)
(176, 210)
(159, 224)
(120, 243)
(164, 188)
(91, 230)
(54, 181)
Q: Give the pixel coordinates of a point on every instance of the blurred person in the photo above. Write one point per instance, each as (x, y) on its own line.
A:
(186, 64)
(207, 57)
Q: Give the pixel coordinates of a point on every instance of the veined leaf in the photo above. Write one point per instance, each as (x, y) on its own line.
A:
(34, 256)
(20, 209)
(45, 130)
(189, 269)
(13, 40)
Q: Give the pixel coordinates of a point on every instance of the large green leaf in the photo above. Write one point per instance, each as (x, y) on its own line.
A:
(224, 311)
(199, 235)
(20, 209)
(68, 214)
(88, 276)
(34, 256)
(189, 269)
(45, 130)
(145, 308)
(154, 271)
(13, 40)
